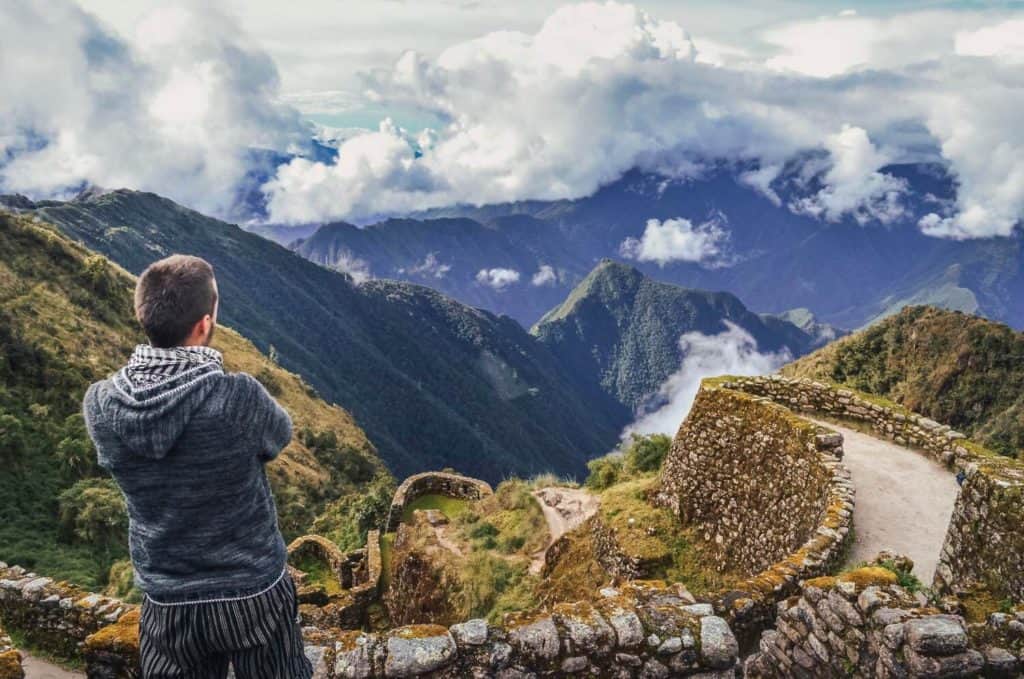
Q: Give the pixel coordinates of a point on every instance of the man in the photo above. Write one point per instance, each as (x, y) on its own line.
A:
(187, 443)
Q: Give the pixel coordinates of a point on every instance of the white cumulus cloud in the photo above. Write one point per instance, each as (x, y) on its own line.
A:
(356, 267)
(731, 352)
(430, 266)
(177, 110)
(676, 240)
(497, 278)
(545, 276)
(853, 184)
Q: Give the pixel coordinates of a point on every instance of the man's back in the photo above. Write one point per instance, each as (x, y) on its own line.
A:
(188, 453)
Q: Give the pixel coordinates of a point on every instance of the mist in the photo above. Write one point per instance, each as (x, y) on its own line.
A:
(731, 352)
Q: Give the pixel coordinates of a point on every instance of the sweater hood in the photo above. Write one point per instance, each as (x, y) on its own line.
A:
(150, 419)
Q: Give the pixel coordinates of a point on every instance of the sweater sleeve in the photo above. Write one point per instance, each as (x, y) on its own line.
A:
(261, 418)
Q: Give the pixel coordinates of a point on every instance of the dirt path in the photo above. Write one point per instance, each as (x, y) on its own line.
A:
(904, 500)
(564, 509)
(40, 669)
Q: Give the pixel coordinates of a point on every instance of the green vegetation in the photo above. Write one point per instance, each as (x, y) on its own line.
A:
(433, 382)
(640, 456)
(449, 506)
(319, 574)
(960, 370)
(623, 329)
(667, 549)
(66, 320)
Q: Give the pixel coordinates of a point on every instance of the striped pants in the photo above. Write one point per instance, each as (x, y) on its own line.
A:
(258, 636)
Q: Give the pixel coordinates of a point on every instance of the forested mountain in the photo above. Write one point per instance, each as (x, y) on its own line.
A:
(957, 369)
(625, 327)
(66, 320)
(433, 382)
(770, 256)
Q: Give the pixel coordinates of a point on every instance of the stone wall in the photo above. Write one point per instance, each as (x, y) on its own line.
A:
(863, 624)
(433, 483)
(10, 659)
(754, 479)
(358, 573)
(760, 478)
(54, 616)
(639, 629)
(985, 543)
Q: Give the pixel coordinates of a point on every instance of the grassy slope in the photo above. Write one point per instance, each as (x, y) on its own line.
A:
(958, 369)
(65, 321)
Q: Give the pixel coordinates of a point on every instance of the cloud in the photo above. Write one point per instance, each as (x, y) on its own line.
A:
(853, 184)
(431, 266)
(732, 352)
(498, 278)
(356, 267)
(611, 88)
(676, 240)
(545, 276)
(178, 110)
(191, 108)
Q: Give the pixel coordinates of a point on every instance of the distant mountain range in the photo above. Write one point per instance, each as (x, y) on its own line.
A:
(434, 383)
(774, 259)
(955, 368)
(625, 327)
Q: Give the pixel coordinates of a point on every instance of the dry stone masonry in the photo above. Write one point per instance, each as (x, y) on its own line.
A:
(433, 483)
(769, 490)
(985, 543)
(358, 575)
(862, 624)
(637, 630)
(54, 616)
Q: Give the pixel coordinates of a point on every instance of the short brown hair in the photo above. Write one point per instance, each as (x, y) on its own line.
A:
(172, 295)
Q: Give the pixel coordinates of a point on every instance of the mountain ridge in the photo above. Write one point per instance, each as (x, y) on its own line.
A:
(405, 360)
(625, 327)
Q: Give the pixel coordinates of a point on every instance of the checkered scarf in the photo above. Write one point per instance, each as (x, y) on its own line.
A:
(149, 366)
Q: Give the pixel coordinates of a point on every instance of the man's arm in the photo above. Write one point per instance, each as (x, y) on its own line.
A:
(261, 418)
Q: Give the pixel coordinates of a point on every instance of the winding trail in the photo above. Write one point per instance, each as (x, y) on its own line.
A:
(564, 509)
(904, 500)
(40, 669)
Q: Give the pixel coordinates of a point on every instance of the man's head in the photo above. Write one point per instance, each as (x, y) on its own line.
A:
(176, 302)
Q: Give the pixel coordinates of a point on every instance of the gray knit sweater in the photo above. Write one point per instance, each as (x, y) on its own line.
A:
(188, 454)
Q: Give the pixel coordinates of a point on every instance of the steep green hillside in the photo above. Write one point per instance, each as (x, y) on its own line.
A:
(625, 328)
(957, 369)
(66, 320)
(433, 382)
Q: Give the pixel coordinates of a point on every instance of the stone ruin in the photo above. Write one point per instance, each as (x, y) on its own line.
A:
(766, 488)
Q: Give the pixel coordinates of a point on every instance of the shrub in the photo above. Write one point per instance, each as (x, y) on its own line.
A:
(604, 471)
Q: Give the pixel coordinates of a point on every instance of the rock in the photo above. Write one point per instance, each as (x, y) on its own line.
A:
(354, 661)
(472, 632)
(317, 656)
(538, 640)
(410, 655)
(1000, 663)
(501, 654)
(628, 630)
(670, 646)
(653, 669)
(718, 647)
(700, 609)
(937, 635)
(923, 666)
(574, 664)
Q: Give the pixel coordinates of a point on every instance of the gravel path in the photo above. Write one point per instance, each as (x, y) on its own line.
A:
(40, 669)
(564, 509)
(904, 500)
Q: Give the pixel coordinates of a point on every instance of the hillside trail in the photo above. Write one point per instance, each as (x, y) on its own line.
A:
(564, 509)
(41, 669)
(904, 500)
